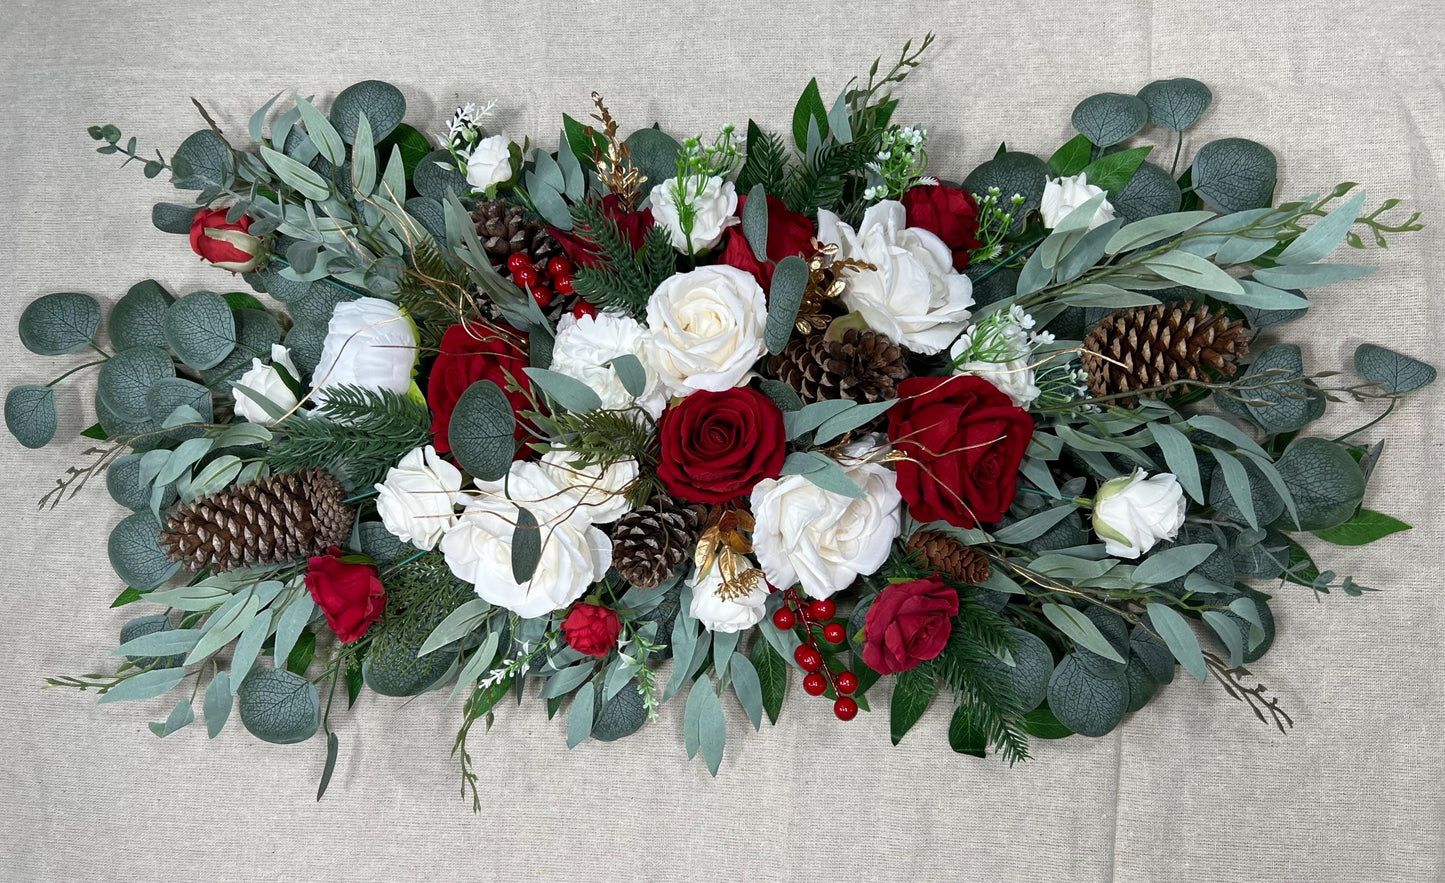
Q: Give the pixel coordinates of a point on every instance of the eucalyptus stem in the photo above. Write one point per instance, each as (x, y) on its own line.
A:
(78, 368)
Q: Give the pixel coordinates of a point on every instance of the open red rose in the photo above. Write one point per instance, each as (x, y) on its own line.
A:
(909, 623)
(633, 225)
(591, 629)
(351, 595)
(717, 445)
(964, 441)
(947, 212)
(227, 245)
(789, 233)
(470, 353)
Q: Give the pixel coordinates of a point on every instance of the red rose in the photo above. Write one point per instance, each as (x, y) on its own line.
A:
(789, 233)
(591, 629)
(351, 595)
(226, 245)
(947, 212)
(964, 441)
(634, 227)
(908, 623)
(717, 445)
(470, 353)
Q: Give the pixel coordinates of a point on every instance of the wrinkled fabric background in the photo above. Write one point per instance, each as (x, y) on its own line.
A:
(1191, 789)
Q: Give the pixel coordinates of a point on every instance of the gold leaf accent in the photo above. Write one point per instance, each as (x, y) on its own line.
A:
(614, 165)
(827, 279)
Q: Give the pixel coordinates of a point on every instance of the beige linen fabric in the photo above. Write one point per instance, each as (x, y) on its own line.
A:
(1193, 789)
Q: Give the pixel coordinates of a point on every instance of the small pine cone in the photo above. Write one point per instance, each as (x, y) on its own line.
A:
(652, 541)
(860, 365)
(1143, 347)
(506, 228)
(949, 557)
(284, 517)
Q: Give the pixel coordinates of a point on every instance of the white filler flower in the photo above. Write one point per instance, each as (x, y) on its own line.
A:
(417, 501)
(369, 343)
(705, 329)
(266, 381)
(1133, 512)
(1063, 195)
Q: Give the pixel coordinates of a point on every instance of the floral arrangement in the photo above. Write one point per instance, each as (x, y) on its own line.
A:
(635, 417)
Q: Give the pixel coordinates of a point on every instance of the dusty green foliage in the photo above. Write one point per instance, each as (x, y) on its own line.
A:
(437, 292)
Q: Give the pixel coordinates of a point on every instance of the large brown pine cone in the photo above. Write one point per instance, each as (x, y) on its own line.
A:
(652, 541)
(950, 558)
(1142, 348)
(861, 365)
(506, 228)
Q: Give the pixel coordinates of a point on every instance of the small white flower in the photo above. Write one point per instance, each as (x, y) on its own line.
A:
(585, 347)
(1000, 350)
(705, 329)
(416, 502)
(599, 493)
(713, 211)
(1063, 195)
(490, 163)
(265, 380)
(1133, 512)
(720, 611)
(369, 343)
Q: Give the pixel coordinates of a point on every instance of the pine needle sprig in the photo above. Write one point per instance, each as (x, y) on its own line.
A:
(766, 163)
(437, 292)
(984, 691)
(608, 436)
(622, 280)
(833, 178)
(357, 434)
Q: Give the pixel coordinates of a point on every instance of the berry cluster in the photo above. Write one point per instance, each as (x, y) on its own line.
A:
(814, 618)
(559, 281)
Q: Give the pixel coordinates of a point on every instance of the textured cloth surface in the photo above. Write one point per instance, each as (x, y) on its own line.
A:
(1191, 789)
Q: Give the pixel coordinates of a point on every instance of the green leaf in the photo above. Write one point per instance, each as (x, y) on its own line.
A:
(772, 672)
(226, 625)
(1088, 701)
(146, 685)
(966, 734)
(1324, 236)
(1179, 637)
(30, 415)
(1081, 630)
(174, 219)
(1264, 297)
(1234, 174)
(481, 431)
(1114, 171)
(824, 472)
(279, 707)
(1109, 117)
(292, 622)
(1034, 526)
(1033, 664)
(323, 134)
(1193, 271)
(457, 625)
(569, 392)
(201, 329)
(568, 679)
(1173, 563)
(790, 280)
(298, 176)
(202, 162)
(630, 371)
(363, 160)
(248, 647)
(755, 222)
(413, 145)
(217, 706)
(526, 546)
(383, 104)
(1394, 372)
(654, 153)
(1265, 502)
(1365, 526)
(129, 596)
(1325, 481)
(912, 692)
(61, 323)
(333, 748)
(436, 177)
(1152, 191)
(136, 553)
(166, 642)
(1310, 275)
(1012, 173)
(1071, 158)
(810, 417)
(1176, 104)
(809, 109)
(1155, 229)
(850, 420)
(1041, 723)
(1236, 481)
(1179, 456)
(747, 685)
(622, 715)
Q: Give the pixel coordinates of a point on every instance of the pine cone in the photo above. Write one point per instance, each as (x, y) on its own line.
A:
(949, 557)
(652, 541)
(505, 229)
(860, 365)
(1143, 347)
(285, 517)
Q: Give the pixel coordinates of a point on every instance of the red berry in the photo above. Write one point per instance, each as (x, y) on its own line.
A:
(581, 308)
(834, 633)
(563, 284)
(783, 619)
(808, 658)
(559, 266)
(518, 260)
(846, 708)
(543, 297)
(814, 684)
(823, 609)
(846, 682)
(526, 275)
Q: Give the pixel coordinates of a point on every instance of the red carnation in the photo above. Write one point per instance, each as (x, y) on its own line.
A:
(470, 353)
(591, 629)
(634, 227)
(225, 244)
(947, 212)
(909, 623)
(789, 233)
(351, 595)
(717, 445)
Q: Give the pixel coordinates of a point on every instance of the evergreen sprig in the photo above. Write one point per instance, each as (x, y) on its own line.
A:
(357, 434)
(437, 292)
(622, 280)
(607, 436)
(832, 178)
(968, 665)
(767, 161)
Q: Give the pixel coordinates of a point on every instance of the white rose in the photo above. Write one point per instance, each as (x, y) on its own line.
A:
(1133, 512)
(914, 296)
(1063, 195)
(369, 343)
(820, 539)
(713, 211)
(265, 380)
(478, 548)
(417, 501)
(599, 493)
(730, 611)
(490, 163)
(705, 329)
(585, 346)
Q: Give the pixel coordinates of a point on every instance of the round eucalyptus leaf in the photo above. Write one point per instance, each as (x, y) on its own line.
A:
(273, 283)
(1218, 567)
(1266, 559)
(30, 415)
(138, 319)
(136, 553)
(1152, 191)
(168, 217)
(256, 331)
(57, 324)
(278, 706)
(1033, 666)
(1012, 173)
(1153, 652)
(1110, 117)
(1176, 104)
(127, 377)
(1258, 318)
(436, 176)
(1234, 174)
(1087, 701)
(654, 153)
(392, 667)
(1394, 372)
(621, 716)
(1115, 631)
(381, 545)
(482, 430)
(1142, 685)
(114, 425)
(305, 340)
(203, 161)
(200, 329)
(122, 480)
(383, 104)
(170, 393)
(149, 625)
(319, 303)
(430, 214)
(1290, 405)
(1267, 503)
(1324, 480)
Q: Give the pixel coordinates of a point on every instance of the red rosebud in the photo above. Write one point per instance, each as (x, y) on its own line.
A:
(226, 245)
(909, 623)
(470, 353)
(947, 212)
(351, 595)
(789, 233)
(963, 441)
(634, 227)
(591, 629)
(717, 445)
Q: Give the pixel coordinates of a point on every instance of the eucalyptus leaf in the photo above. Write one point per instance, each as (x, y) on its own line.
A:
(217, 705)
(136, 553)
(1081, 630)
(1179, 637)
(1310, 275)
(1325, 481)
(202, 162)
(383, 104)
(1088, 701)
(1234, 174)
(1176, 104)
(1152, 191)
(60, 323)
(1110, 117)
(1393, 372)
(785, 297)
(569, 392)
(278, 706)
(30, 415)
(1324, 235)
(1012, 173)
(201, 329)
(481, 431)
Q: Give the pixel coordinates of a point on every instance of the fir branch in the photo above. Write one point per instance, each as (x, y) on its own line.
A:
(358, 434)
(767, 161)
(832, 178)
(621, 280)
(969, 666)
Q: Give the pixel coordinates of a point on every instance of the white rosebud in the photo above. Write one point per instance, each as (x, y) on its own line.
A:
(599, 493)
(1063, 195)
(417, 501)
(726, 611)
(490, 163)
(369, 343)
(585, 347)
(1133, 512)
(478, 548)
(820, 539)
(914, 297)
(713, 211)
(265, 380)
(705, 329)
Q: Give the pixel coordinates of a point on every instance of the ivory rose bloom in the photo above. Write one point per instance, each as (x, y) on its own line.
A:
(714, 209)
(369, 343)
(722, 611)
(417, 501)
(914, 296)
(1063, 195)
(1133, 512)
(265, 380)
(705, 329)
(490, 163)
(586, 346)
(599, 493)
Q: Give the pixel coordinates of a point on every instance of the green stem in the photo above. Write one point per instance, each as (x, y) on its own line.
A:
(1178, 146)
(1006, 261)
(1360, 429)
(78, 368)
(103, 353)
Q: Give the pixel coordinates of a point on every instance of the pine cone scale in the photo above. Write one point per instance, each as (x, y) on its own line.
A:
(1141, 348)
(652, 541)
